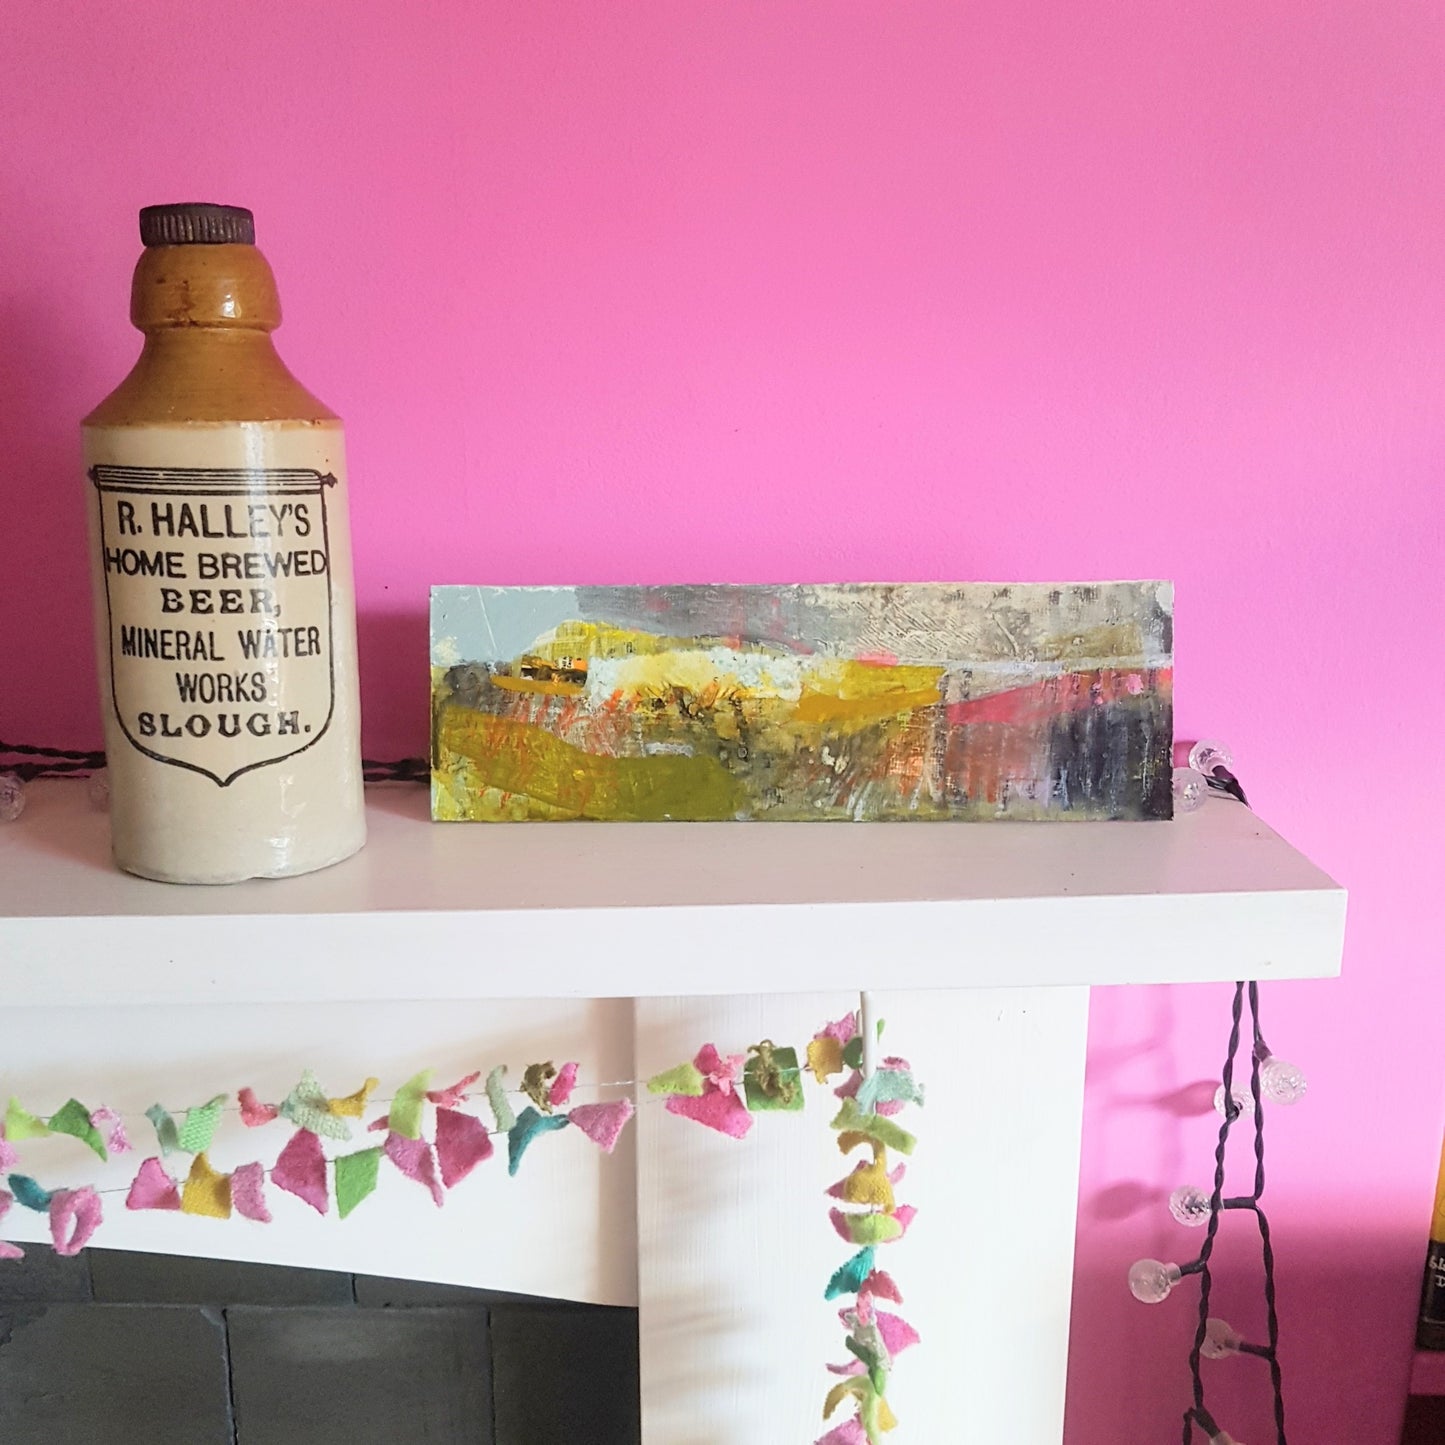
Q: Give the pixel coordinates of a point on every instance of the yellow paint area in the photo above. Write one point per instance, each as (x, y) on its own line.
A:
(514, 757)
(838, 690)
(534, 684)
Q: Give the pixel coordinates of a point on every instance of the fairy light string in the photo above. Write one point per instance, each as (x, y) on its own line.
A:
(1273, 1081)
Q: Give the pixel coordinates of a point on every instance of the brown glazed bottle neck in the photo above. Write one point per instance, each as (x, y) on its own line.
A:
(207, 313)
(223, 286)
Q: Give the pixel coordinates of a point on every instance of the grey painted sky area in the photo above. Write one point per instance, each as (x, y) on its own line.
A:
(917, 622)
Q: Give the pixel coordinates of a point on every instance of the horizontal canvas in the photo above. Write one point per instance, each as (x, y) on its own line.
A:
(858, 701)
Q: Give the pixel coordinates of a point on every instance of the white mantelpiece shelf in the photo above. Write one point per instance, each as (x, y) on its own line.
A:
(626, 947)
(618, 910)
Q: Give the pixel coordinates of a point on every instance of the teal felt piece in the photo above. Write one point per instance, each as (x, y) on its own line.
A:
(888, 1086)
(166, 1133)
(530, 1123)
(848, 1278)
(29, 1194)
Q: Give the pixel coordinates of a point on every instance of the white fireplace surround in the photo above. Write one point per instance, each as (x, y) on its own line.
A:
(625, 947)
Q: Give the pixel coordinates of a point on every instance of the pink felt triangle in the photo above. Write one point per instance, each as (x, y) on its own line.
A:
(880, 1284)
(722, 1071)
(301, 1170)
(897, 1333)
(603, 1123)
(563, 1085)
(417, 1160)
(75, 1215)
(462, 1144)
(450, 1098)
(724, 1112)
(248, 1193)
(851, 1432)
(8, 1157)
(8, 1250)
(253, 1112)
(106, 1119)
(153, 1188)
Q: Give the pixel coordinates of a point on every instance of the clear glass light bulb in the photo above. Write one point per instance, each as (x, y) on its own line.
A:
(1243, 1100)
(1282, 1082)
(1220, 1340)
(1208, 754)
(1150, 1280)
(1190, 790)
(98, 789)
(12, 797)
(1190, 1205)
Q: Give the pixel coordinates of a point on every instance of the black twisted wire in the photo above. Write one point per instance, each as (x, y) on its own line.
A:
(1216, 1204)
(28, 762)
(1197, 1414)
(1266, 1245)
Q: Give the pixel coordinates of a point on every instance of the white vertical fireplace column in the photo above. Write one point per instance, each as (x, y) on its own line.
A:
(627, 947)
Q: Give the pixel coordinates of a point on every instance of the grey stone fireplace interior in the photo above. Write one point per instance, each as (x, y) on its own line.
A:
(114, 1348)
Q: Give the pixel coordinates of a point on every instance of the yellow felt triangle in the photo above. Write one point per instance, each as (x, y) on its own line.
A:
(869, 1184)
(840, 1392)
(206, 1192)
(825, 1058)
(353, 1106)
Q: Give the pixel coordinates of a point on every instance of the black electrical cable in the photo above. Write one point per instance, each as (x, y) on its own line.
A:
(1197, 1414)
(28, 763)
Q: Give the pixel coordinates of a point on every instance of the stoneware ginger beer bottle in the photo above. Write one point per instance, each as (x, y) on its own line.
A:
(225, 617)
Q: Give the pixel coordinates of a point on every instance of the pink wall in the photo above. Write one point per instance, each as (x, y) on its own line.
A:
(769, 291)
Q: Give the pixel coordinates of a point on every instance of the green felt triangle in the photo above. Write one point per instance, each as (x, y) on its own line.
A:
(73, 1118)
(406, 1108)
(20, 1124)
(684, 1079)
(356, 1178)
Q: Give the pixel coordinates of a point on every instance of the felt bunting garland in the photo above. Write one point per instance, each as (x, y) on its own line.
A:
(874, 1337)
(431, 1136)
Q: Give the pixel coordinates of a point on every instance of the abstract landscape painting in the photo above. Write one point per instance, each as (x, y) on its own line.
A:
(917, 701)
